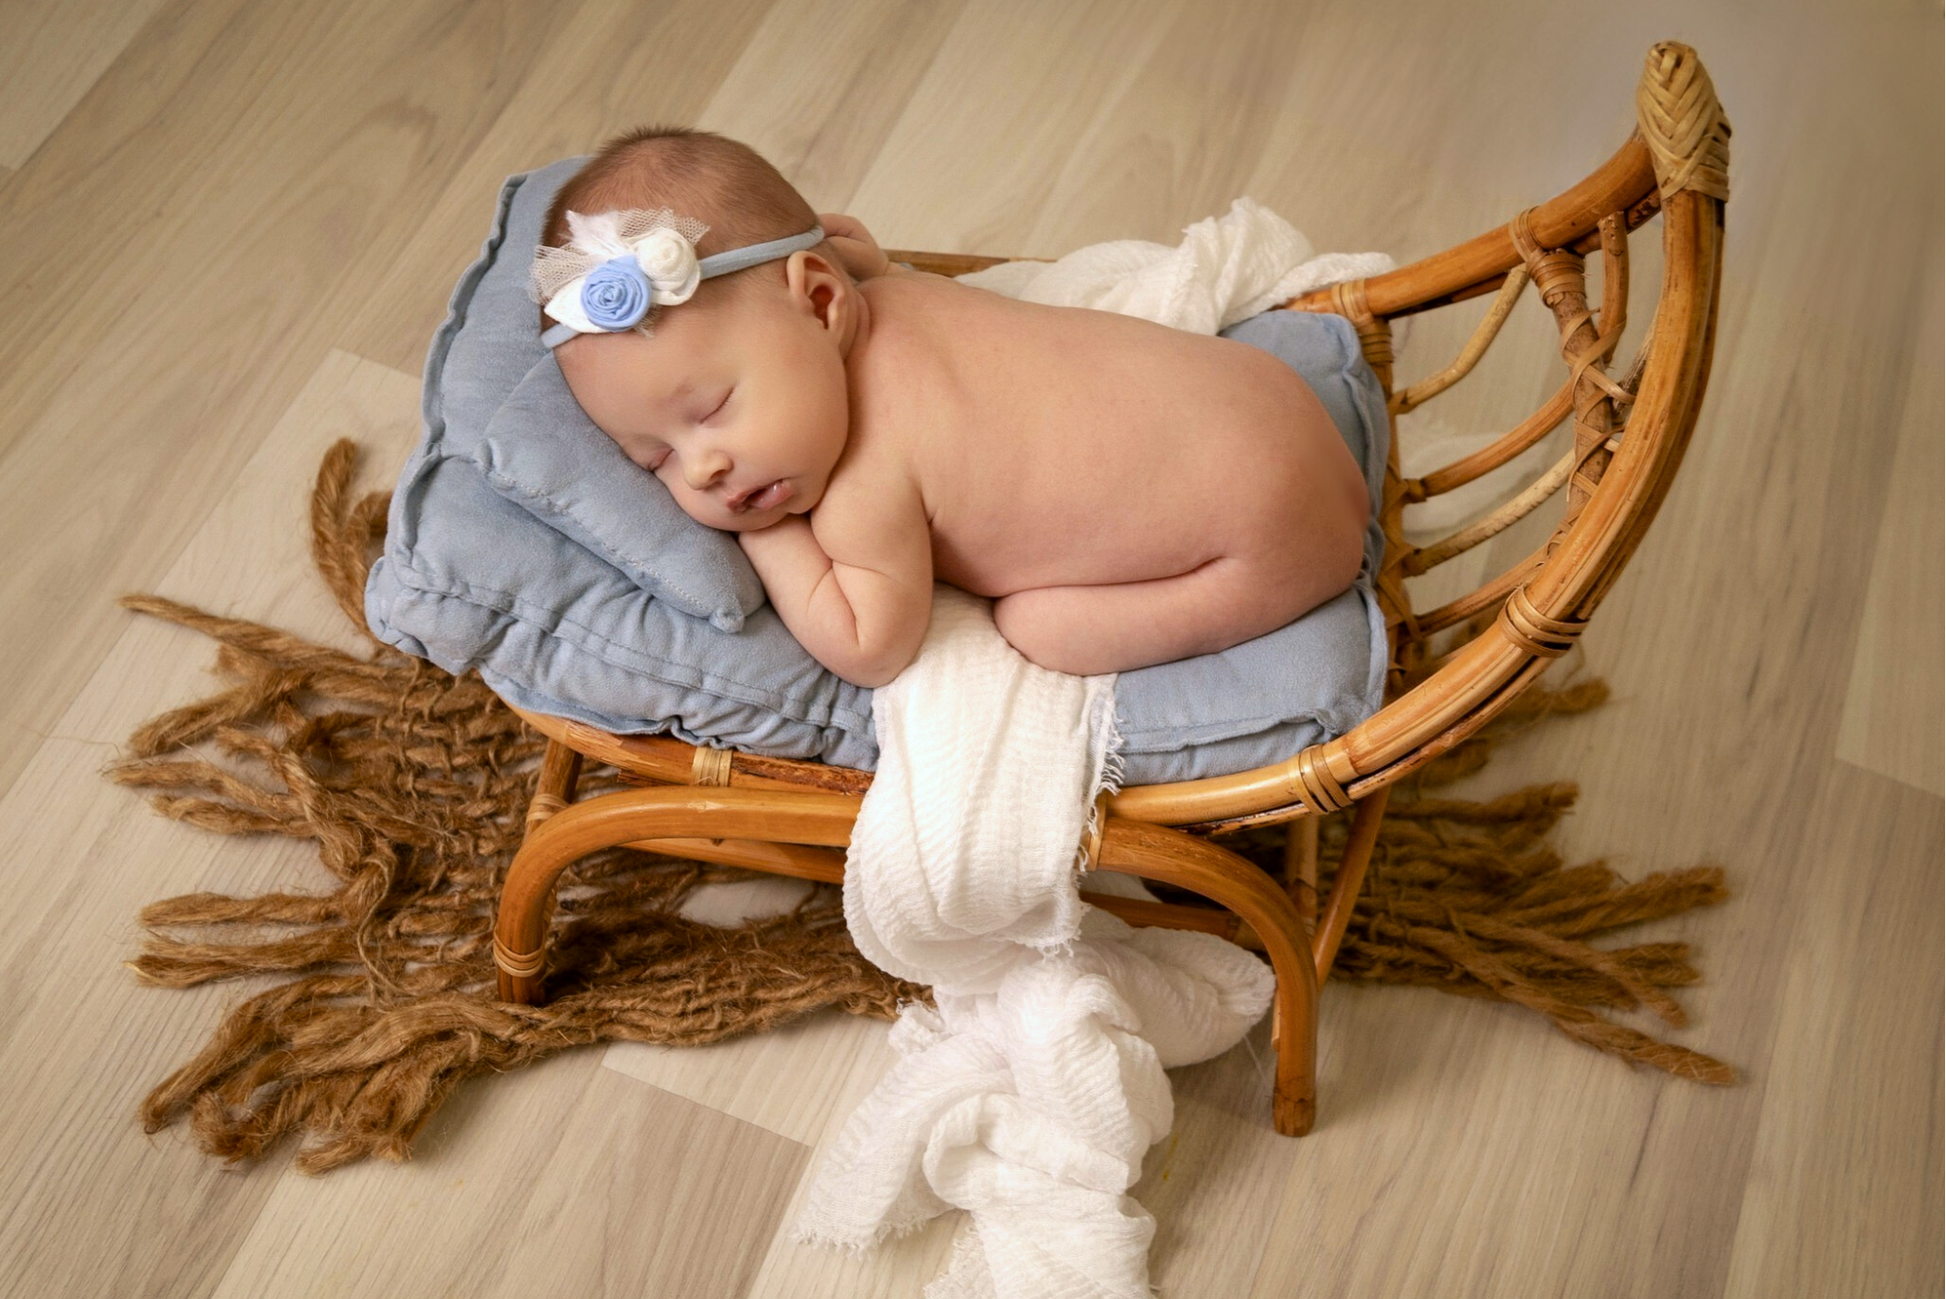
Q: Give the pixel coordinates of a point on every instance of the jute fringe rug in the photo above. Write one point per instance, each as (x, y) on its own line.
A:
(414, 784)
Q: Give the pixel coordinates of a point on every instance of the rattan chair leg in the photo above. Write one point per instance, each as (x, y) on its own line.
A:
(1301, 868)
(674, 812)
(1158, 852)
(553, 792)
(1351, 878)
(554, 789)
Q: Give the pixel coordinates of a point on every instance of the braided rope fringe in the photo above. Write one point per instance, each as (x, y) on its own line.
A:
(414, 783)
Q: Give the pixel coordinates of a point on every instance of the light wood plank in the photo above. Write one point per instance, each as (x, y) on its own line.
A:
(981, 145)
(637, 1182)
(1852, 1083)
(897, 1267)
(447, 1222)
(852, 69)
(1462, 1147)
(1893, 707)
(1175, 131)
(256, 242)
(50, 54)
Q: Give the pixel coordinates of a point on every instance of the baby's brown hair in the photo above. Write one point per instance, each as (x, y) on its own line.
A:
(727, 185)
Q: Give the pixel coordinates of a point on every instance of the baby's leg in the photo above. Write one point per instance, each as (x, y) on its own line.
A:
(1122, 626)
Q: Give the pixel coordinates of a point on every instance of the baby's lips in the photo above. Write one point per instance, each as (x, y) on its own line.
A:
(772, 493)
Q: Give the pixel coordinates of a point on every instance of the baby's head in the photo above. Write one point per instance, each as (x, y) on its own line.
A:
(736, 397)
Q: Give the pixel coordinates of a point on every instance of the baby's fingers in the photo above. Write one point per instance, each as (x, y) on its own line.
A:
(840, 226)
(854, 245)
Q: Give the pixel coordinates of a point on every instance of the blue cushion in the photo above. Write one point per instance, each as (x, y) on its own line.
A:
(523, 544)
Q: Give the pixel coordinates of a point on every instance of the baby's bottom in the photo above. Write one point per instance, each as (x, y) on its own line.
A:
(1088, 630)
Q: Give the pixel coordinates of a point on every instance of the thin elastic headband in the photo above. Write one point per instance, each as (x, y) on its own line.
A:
(625, 264)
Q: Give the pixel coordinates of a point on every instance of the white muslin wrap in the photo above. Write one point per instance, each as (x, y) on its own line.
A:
(1031, 1095)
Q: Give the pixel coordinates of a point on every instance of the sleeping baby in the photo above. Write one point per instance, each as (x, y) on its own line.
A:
(1126, 493)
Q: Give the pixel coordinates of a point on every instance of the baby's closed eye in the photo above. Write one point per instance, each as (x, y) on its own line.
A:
(658, 454)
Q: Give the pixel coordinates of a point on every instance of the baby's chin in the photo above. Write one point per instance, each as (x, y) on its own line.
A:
(752, 522)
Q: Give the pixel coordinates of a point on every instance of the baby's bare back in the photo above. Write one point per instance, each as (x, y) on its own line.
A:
(1060, 447)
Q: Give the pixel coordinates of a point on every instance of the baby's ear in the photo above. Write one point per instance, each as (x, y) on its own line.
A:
(818, 286)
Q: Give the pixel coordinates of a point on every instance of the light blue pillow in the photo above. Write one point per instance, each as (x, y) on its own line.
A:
(517, 546)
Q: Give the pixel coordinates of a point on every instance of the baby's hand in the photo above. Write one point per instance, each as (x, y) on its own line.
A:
(857, 250)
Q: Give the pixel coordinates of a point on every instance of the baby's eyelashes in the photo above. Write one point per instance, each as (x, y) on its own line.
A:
(654, 458)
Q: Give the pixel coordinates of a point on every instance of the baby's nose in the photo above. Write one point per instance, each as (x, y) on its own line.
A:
(702, 470)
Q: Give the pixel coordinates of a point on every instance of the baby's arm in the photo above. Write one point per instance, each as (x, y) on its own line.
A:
(855, 586)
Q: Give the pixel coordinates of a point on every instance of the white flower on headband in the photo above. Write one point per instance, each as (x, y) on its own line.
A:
(669, 262)
(617, 268)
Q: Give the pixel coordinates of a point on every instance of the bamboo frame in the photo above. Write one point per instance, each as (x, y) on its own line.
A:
(794, 818)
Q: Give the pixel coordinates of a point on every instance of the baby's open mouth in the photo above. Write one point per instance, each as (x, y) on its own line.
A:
(764, 497)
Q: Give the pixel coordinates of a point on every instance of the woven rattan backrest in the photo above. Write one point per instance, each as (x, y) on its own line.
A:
(1630, 431)
(1678, 109)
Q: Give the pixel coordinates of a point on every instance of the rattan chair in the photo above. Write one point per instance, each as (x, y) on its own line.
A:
(794, 818)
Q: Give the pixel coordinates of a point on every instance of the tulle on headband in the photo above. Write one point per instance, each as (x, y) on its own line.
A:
(603, 236)
(619, 267)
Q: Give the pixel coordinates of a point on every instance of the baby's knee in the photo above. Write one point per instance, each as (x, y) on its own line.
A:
(1031, 622)
(1014, 617)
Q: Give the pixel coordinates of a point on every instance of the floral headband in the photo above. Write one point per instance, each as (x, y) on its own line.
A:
(619, 267)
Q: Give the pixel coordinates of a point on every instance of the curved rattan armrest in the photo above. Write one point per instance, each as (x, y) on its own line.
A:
(1626, 183)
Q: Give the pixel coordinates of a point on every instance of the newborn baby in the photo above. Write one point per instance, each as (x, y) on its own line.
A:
(1126, 493)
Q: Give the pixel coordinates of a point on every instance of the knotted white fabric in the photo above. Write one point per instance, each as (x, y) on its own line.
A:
(1033, 1092)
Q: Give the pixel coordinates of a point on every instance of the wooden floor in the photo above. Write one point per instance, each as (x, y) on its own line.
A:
(227, 231)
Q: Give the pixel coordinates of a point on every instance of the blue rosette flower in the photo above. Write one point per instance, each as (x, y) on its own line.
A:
(615, 295)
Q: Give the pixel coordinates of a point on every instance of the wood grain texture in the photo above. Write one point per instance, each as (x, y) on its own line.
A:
(1851, 1097)
(979, 150)
(1893, 705)
(821, 85)
(258, 166)
(1774, 661)
(49, 55)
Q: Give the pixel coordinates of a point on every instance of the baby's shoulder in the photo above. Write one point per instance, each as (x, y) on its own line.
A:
(873, 469)
(872, 507)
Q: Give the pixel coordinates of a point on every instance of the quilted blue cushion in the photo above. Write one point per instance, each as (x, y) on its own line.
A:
(522, 543)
